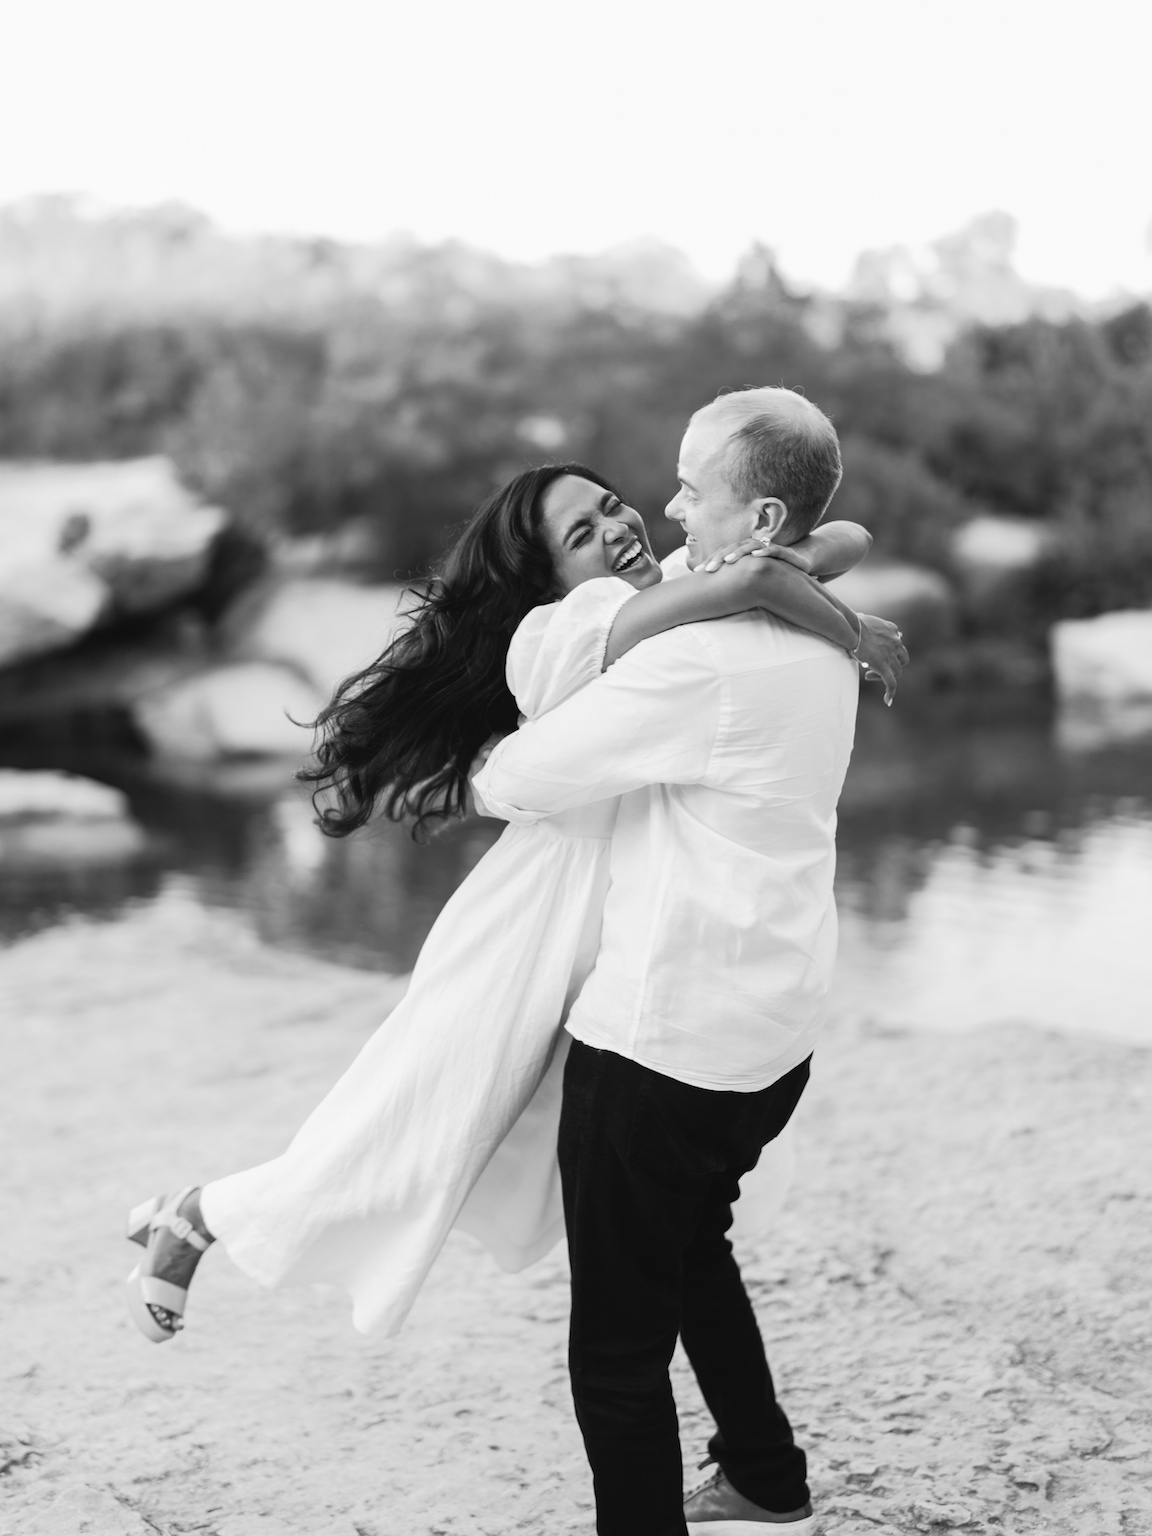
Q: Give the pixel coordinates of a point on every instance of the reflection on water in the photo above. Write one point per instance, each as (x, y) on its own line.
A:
(1053, 931)
(985, 874)
(369, 899)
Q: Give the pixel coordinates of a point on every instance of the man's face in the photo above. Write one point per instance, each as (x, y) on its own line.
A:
(706, 506)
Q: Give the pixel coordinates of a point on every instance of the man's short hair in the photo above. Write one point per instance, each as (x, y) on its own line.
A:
(781, 445)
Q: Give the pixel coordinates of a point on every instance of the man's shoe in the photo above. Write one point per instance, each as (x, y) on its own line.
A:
(721, 1511)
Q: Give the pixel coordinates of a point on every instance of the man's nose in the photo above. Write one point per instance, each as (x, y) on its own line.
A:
(672, 510)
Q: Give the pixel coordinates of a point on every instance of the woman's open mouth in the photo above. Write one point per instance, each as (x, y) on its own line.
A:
(629, 558)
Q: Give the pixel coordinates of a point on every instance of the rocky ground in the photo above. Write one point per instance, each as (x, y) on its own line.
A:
(956, 1298)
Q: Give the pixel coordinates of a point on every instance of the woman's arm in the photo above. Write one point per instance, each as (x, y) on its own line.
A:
(770, 584)
(833, 549)
(826, 552)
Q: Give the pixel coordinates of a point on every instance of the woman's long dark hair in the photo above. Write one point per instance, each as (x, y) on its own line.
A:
(402, 734)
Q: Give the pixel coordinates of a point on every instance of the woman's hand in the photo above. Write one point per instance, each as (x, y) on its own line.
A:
(881, 652)
(758, 550)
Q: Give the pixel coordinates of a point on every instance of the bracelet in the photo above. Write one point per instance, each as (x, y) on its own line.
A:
(855, 654)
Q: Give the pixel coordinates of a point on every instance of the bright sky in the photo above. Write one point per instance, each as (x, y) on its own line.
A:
(821, 127)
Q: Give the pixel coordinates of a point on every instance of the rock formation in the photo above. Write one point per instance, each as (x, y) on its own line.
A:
(84, 544)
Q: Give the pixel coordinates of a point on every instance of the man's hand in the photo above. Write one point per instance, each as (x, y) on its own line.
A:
(757, 550)
(484, 754)
(473, 806)
(881, 652)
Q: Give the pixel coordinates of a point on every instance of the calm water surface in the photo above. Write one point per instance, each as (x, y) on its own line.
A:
(986, 873)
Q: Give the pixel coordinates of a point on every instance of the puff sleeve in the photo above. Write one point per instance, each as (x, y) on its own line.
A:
(559, 647)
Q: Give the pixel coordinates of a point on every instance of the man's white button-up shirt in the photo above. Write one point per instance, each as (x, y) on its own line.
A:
(728, 741)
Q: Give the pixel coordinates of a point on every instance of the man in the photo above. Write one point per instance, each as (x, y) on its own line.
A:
(728, 741)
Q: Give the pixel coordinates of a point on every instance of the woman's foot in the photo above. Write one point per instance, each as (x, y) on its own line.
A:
(176, 1239)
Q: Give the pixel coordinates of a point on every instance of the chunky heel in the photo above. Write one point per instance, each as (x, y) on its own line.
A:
(140, 1220)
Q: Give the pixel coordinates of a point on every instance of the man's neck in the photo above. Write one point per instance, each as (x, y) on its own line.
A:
(676, 564)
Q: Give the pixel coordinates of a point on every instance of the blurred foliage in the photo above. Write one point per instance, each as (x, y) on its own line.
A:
(388, 396)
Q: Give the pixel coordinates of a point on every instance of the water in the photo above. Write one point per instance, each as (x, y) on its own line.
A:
(986, 874)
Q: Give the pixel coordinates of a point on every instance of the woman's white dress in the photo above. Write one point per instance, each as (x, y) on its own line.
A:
(448, 1115)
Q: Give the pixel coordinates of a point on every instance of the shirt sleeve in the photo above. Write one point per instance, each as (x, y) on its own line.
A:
(560, 647)
(651, 719)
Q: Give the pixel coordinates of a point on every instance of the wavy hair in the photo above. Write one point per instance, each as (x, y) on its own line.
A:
(401, 735)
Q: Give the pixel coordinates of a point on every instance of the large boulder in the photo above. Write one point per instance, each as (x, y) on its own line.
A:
(324, 628)
(287, 644)
(991, 544)
(994, 559)
(59, 818)
(1106, 659)
(243, 709)
(46, 605)
(919, 600)
(1103, 673)
(81, 543)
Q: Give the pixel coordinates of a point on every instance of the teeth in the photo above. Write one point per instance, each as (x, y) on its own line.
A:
(629, 557)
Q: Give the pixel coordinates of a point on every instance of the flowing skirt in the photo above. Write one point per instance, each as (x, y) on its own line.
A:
(448, 1115)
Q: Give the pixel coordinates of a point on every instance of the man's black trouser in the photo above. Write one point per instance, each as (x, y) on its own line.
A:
(650, 1168)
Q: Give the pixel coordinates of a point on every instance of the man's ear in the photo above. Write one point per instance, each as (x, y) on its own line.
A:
(771, 515)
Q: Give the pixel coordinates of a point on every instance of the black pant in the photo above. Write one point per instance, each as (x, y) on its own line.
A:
(650, 1169)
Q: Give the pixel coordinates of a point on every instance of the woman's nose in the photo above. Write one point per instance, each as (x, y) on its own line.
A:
(614, 532)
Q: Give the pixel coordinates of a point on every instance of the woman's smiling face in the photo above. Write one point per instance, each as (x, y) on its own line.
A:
(589, 532)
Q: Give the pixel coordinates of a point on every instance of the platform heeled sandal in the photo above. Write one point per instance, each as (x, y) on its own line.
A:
(147, 1292)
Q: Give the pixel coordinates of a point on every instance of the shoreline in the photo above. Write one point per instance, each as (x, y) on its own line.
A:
(955, 1298)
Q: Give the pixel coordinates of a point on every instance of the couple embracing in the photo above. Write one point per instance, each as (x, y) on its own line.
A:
(614, 1014)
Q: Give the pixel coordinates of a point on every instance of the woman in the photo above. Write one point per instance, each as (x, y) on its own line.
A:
(448, 1115)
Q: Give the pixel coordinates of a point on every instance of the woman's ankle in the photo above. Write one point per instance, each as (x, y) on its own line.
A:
(189, 1208)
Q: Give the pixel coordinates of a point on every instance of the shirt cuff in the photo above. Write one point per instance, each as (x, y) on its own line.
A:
(488, 802)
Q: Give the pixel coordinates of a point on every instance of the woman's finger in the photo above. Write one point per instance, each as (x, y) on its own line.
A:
(714, 562)
(758, 550)
(729, 553)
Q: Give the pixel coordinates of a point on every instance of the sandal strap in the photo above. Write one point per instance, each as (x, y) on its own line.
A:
(180, 1227)
(167, 1216)
(162, 1293)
